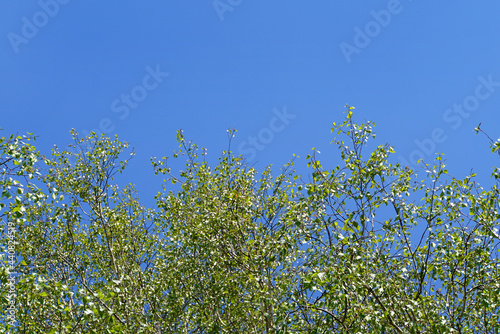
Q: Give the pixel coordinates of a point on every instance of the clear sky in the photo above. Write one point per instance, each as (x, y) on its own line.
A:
(280, 72)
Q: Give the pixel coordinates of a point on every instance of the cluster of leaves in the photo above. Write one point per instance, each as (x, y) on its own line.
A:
(363, 247)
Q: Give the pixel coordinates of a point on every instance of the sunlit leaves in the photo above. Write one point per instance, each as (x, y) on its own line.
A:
(365, 246)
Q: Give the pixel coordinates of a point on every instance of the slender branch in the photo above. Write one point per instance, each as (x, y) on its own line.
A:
(391, 321)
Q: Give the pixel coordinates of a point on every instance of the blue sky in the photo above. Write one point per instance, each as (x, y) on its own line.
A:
(280, 72)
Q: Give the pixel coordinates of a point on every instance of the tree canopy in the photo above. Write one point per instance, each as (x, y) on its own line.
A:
(368, 246)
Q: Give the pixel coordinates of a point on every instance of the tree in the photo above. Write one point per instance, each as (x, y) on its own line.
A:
(367, 246)
(382, 259)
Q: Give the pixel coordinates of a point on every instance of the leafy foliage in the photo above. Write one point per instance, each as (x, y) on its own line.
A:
(366, 246)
